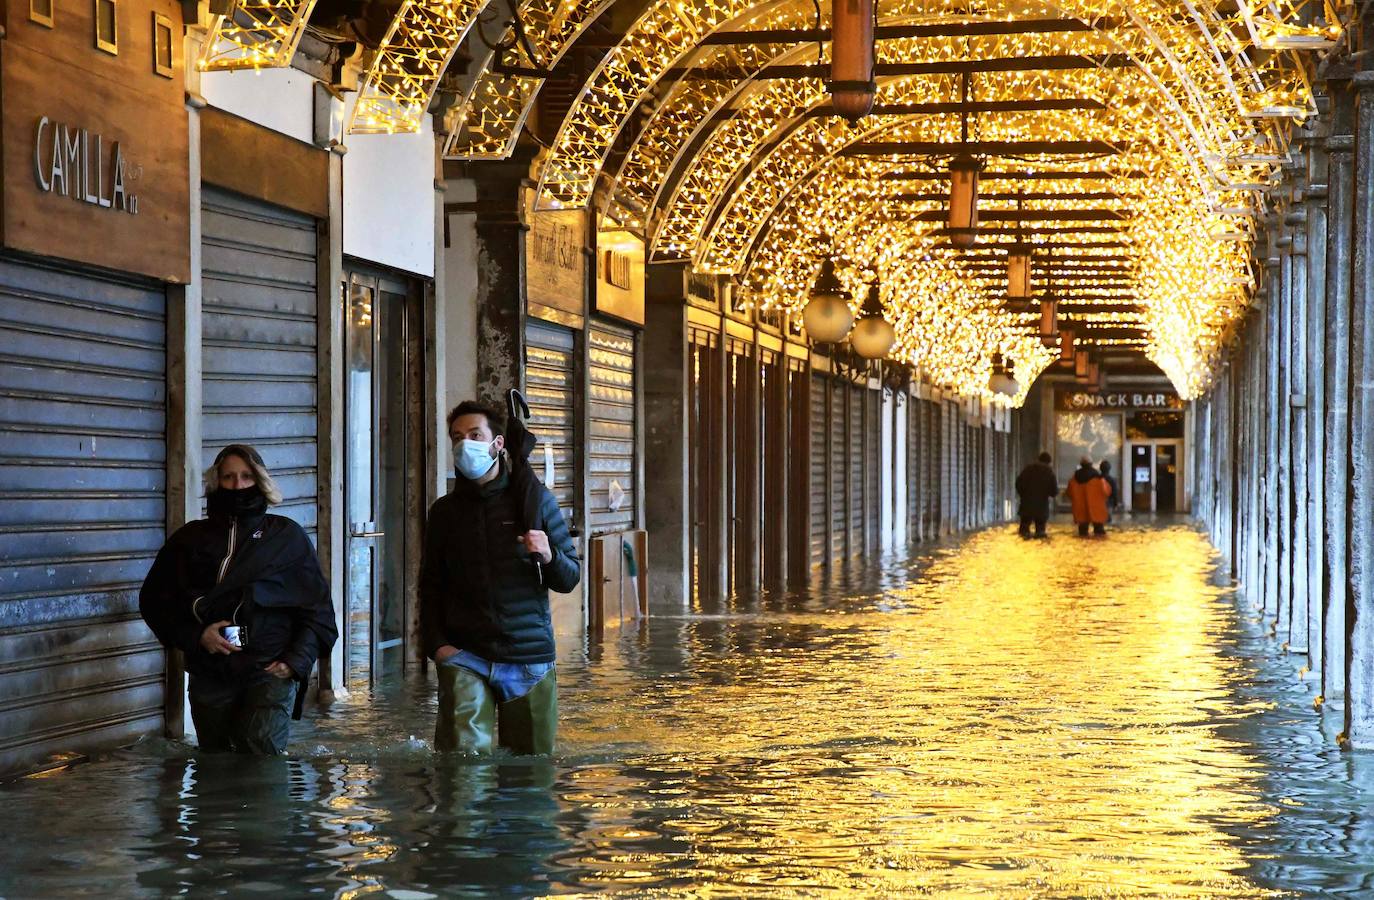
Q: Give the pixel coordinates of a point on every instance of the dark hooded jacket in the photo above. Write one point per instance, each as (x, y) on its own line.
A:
(259, 571)
(1036, 486)
(480, 590)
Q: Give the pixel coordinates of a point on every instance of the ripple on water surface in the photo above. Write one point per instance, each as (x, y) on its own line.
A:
(1065, 718)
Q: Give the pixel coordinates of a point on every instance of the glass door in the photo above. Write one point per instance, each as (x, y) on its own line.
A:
(375, 456)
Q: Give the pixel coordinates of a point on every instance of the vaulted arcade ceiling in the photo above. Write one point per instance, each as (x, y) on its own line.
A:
(1133, 143)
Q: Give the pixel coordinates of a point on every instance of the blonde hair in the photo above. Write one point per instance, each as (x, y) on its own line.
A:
(253, 459)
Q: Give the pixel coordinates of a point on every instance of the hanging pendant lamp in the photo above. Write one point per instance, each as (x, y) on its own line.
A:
(827, 315)
(851, 84)
(964, 169)
(1080, 365)
(1049, 319)
(1066, 336)
(1019, 263)
(873, 335)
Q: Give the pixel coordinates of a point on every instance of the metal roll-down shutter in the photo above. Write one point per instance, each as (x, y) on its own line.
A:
(259, 338)
(611, 429)
(820, 459)
(550, 389)
(83, 511)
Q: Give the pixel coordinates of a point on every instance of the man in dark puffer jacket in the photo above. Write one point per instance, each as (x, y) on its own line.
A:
(494, 548)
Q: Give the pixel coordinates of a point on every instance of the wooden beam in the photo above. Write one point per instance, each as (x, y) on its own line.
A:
(1051, 63)
(1002, 195)
(1042, 104)
(889, 32)
(1031, 230)
(1027, 215)
(979, 148)
(1088, 175)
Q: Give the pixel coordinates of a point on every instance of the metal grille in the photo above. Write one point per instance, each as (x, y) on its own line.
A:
(83, 443)
(550, 388)
(611, 469)
(839, 480)
(259, 338)
(820, 426)
(855, 464)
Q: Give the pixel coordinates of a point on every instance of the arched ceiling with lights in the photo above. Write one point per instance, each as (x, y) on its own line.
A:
(1131, 142)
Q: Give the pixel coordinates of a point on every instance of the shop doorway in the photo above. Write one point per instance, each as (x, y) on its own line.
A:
(1166, 478)
(1155, 477)
(382, 457)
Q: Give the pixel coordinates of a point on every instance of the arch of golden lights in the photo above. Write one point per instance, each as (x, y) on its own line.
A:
(1132, 142)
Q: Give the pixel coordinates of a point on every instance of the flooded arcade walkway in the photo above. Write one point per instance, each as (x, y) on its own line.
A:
(1046, 719)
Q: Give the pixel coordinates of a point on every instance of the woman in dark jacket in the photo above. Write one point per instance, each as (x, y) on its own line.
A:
(241, 568)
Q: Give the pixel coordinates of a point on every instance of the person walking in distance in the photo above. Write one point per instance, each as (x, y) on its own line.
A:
(494, 548)
(1088, 492)
(241, 594)
(1037, 487)
(1114, 501)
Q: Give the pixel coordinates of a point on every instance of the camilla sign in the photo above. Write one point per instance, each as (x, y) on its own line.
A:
(75, 163)
(1110, 401)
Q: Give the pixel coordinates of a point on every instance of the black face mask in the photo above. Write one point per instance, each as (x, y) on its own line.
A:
(247, 501)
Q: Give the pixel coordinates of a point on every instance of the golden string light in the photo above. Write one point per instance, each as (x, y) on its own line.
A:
(394, 96)
(742, 173)
(255, 34)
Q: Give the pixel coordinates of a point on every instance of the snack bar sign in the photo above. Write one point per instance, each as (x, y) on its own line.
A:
(76, 163)
(1084, 401)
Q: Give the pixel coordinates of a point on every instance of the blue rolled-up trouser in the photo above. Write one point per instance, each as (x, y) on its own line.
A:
(484, 703)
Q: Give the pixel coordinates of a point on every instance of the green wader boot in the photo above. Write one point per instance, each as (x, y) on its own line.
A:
(529, 724)
(467, 712)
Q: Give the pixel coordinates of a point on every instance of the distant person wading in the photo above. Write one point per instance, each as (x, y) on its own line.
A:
(1037, 487)
(1088, 493)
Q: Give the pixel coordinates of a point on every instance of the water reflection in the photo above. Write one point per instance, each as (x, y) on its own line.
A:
(1062, 718)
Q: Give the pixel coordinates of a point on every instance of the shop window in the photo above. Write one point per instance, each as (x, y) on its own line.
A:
(106, 33)
(40, 11)
(162, 45)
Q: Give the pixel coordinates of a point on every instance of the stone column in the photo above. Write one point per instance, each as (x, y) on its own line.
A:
(1359, 710)
(1282, 411)
(1295, 486)
(1340, 182)
(1273, 432)
(1315, 202)
(667, 395)
(501, 231)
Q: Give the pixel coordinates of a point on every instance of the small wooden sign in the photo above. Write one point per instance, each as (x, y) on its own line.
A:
(96, 148)
(555, 266)
(620, 275)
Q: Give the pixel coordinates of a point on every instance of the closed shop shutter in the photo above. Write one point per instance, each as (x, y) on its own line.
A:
(611, 467)
(259, 341)
(550, 389)
(915, 459)
(873, 411)
(820, 459)
(839, 469)
(857, 473)
(83, 444)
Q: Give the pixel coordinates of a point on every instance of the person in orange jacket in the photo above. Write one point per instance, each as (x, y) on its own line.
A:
(1088, 492)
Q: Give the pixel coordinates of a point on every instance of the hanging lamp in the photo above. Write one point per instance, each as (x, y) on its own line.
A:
(964, 169)
(1049, 318)
(873, 335)
(1019, 261)
(827, 315)
(1066, 336)
(1080, 365)
(851, 84)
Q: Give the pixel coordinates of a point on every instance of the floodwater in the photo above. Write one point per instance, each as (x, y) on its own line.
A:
(1069, 718)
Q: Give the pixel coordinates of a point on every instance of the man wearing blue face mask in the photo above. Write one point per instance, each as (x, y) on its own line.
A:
(494, 547)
